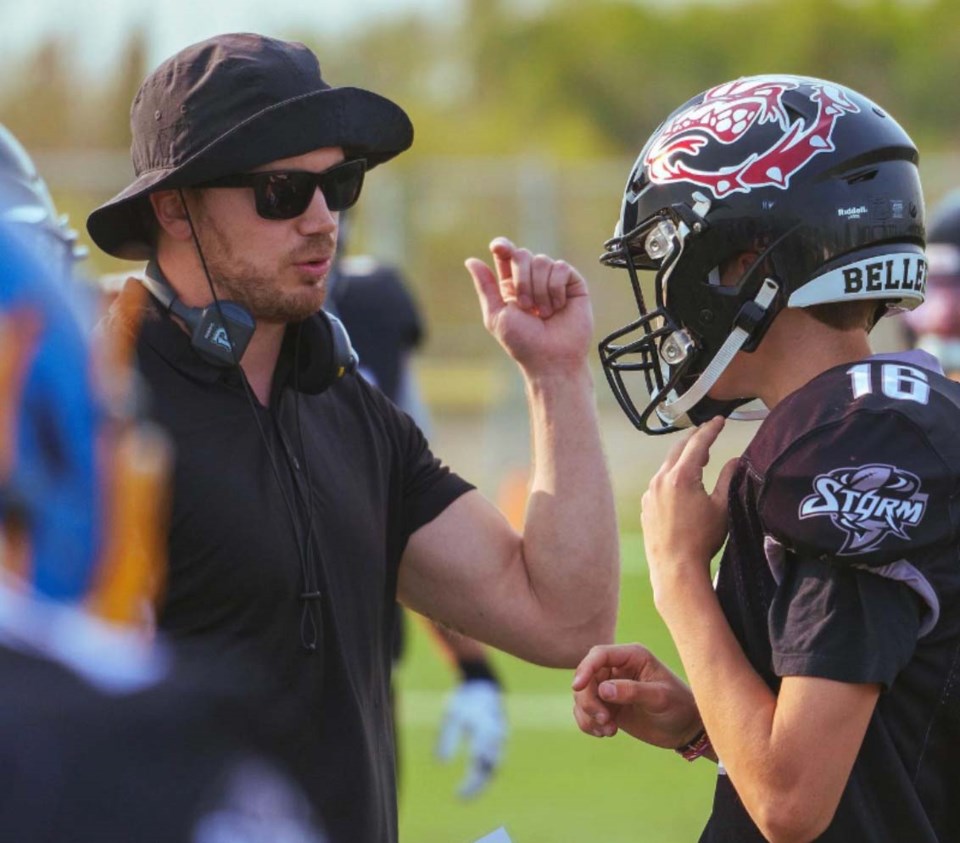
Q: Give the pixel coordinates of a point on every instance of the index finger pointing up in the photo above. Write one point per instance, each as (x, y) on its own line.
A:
(696, 454)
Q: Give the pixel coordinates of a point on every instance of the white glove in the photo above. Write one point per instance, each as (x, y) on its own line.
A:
(474, 712)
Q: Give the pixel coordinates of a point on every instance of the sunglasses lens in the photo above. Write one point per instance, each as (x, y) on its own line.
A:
(341, 185)
(285, 195)
(282, 196)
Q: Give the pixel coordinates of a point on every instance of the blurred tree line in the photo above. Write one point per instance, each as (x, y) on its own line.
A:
(574, 79)
(527, 122)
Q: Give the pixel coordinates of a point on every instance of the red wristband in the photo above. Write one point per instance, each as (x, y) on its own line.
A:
(695, 748)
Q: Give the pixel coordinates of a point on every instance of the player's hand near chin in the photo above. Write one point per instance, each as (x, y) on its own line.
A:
(538, 308)
(624, 686)
(684, 525)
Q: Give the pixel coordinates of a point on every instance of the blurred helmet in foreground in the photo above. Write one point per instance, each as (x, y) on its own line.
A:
(25, 202)
(82, 483)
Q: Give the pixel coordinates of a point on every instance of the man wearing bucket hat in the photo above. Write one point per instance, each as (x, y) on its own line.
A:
(304, 502)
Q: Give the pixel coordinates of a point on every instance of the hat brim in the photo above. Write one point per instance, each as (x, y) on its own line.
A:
(365, 124)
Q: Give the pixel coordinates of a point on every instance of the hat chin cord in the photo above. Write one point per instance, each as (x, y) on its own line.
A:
(311, 621)
(675, 411)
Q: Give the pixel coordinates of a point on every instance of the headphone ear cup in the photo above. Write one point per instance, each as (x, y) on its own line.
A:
(219, 332)
(345, 358)
(221, 341)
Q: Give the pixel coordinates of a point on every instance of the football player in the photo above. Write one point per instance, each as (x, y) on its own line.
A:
(935, 327)
(781, 217)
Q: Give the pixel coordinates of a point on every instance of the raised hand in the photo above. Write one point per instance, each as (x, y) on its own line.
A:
(538, 308)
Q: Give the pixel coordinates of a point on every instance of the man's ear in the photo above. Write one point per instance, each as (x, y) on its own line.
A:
(170, 213)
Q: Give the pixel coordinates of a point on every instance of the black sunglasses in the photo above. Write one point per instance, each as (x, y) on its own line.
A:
(285, 194)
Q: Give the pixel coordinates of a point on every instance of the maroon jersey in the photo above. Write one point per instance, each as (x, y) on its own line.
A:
(843, 562)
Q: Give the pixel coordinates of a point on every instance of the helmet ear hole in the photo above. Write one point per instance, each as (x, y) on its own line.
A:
(733, 270)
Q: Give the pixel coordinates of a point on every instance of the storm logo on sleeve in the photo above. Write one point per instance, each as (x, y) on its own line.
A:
(867, 503)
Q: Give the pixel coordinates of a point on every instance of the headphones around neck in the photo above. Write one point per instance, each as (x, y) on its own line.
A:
(221, 331)
(220, 334)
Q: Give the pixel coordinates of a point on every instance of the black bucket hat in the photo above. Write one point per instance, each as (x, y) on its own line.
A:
(231, 103)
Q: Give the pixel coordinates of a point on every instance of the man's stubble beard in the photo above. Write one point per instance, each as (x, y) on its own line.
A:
(242, 282)
(244, 285)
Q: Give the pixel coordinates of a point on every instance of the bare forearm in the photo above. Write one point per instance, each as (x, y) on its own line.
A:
(784, 785)
(570, 543)
(735, 705)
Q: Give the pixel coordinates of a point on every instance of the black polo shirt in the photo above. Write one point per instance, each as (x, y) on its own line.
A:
(317, 493)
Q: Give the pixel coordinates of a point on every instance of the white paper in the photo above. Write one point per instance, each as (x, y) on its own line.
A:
(499, 836)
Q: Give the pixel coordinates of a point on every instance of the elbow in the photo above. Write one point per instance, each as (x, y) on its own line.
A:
(569, 624)
(601, 631)
(577, 642)
(600, 626)
(597, 627)
(791, 819)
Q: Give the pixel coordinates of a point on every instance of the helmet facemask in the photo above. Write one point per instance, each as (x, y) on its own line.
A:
(679, 359)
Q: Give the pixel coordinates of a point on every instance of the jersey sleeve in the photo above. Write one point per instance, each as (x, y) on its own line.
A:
(427, 485)
(845, 624)
(867, 490)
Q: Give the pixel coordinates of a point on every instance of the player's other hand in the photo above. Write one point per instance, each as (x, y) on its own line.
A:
(474, 715)
(625, 687)
(538, 308)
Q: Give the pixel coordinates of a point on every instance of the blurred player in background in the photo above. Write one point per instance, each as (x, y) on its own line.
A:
(782, 217)
(105, 734)
(935, 326)
(382, 317)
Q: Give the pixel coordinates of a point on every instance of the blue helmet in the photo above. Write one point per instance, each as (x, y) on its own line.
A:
(74, 475)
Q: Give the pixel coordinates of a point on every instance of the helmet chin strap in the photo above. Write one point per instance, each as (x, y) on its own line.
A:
(675, 412)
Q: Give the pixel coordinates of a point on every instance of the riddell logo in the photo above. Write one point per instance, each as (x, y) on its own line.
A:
(867, 503)
(852, 212)
(732, 115)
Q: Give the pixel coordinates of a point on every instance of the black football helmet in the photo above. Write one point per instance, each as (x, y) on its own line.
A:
(812, 177)
(26, 204)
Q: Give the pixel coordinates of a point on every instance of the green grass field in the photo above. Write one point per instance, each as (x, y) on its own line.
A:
(555, 784)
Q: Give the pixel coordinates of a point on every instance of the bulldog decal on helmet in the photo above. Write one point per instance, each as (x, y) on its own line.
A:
(729, 114)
